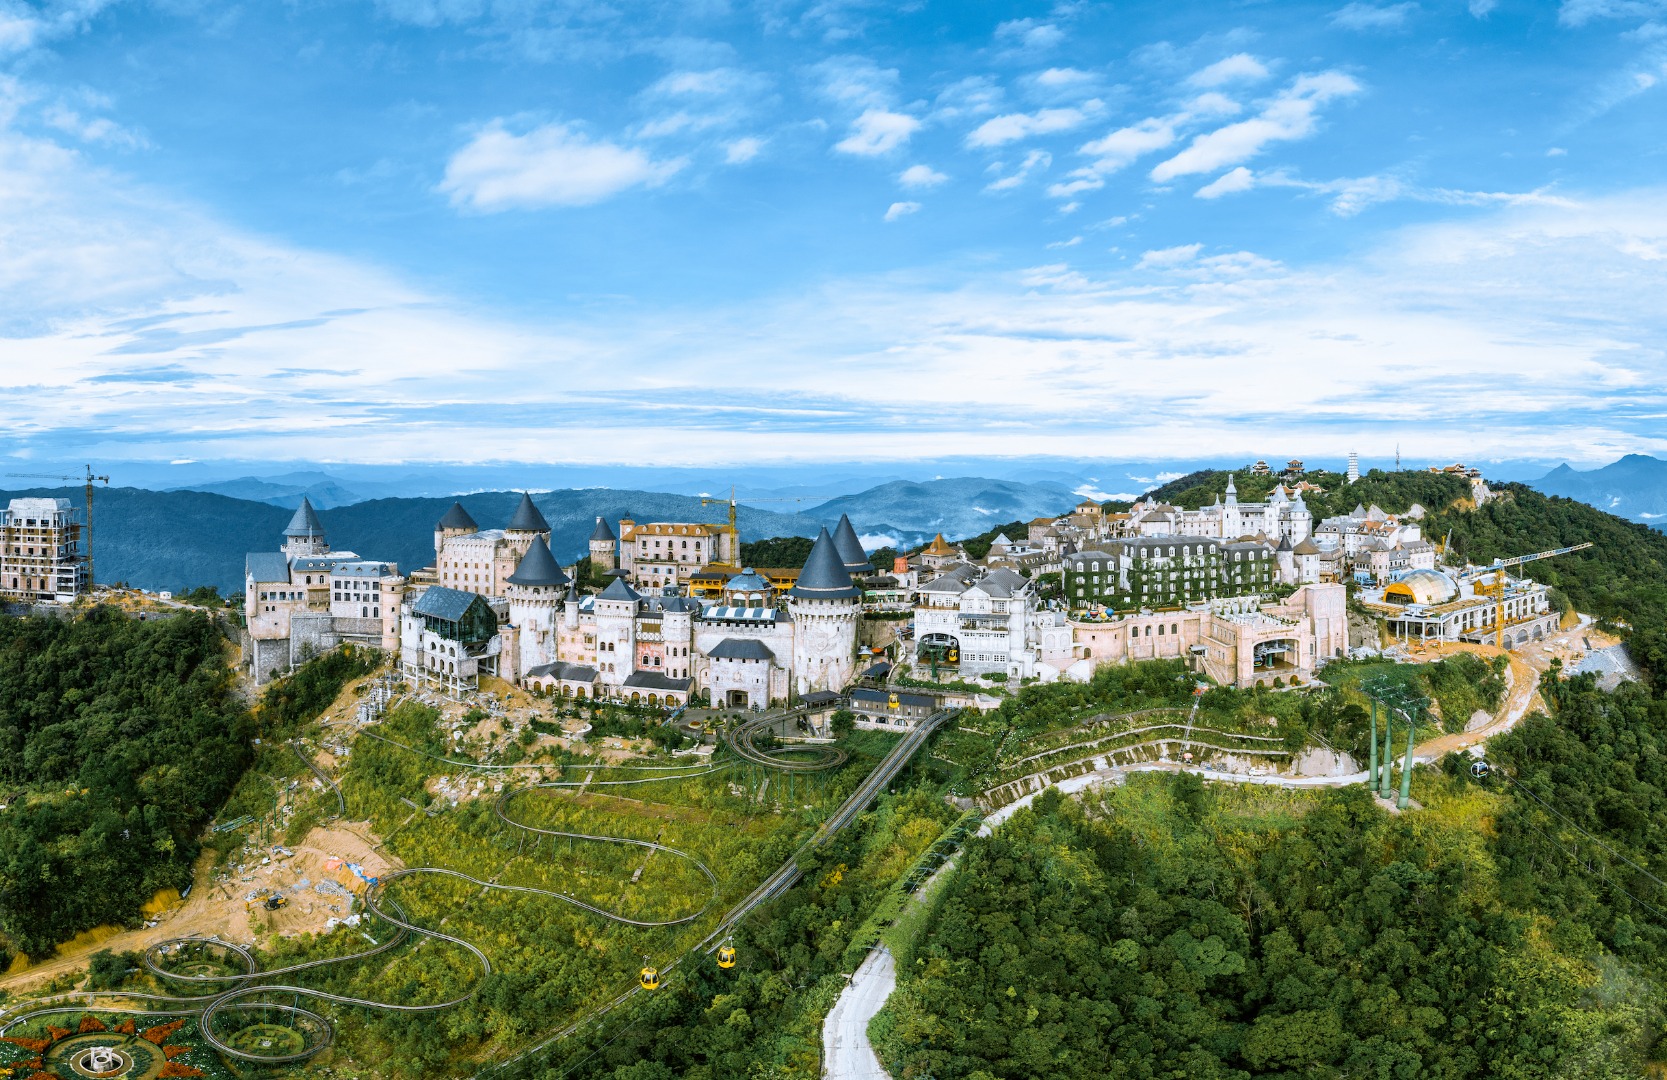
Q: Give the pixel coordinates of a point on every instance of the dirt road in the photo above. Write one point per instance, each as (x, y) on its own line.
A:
(219, 908)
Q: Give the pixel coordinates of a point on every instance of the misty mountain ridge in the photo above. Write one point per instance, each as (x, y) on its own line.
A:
(1634, 487)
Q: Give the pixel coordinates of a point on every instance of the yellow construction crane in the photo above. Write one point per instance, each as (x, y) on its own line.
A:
(1496, 587)
(88, 479)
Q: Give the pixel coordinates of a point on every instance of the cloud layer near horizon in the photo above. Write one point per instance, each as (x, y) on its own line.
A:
(1524, 331)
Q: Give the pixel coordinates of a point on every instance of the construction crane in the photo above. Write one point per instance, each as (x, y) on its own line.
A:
(1496, 587)
(735, 532)
(88, 479)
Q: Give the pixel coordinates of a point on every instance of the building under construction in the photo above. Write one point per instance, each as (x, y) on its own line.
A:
(1432, 605)
(41, 552)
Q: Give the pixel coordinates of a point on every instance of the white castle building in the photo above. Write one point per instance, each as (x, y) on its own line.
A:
(1283, 517)
(744, 650)
(305, 599)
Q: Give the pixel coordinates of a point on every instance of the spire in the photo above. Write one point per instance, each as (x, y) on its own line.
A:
(305, 522)
(538, 567)
(824, 576)
(457, 518)
(602, 532)
(849, 547)
(527, 518)
(1232, 491)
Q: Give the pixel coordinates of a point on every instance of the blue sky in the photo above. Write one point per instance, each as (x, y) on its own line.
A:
(698, 232)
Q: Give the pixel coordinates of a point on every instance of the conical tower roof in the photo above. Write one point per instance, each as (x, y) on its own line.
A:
(619, 589)
(305, 522)
(538, 567)
(527, 518)
(849, 547)
(824, 576)
(602, 532)
(458, 518)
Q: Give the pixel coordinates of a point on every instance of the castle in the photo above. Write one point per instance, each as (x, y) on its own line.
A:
(305, 599)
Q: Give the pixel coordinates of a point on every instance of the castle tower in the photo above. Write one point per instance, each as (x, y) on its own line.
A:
(570, 606)
(616, 631)
(1354, 466)
(527, 519)
(1301, 520)
(824, 605)
(602, 548)
(305, 535)
(535, 591)
(850, 548)
(456, 522)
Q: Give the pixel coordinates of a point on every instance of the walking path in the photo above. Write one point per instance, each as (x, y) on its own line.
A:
(846, 1051)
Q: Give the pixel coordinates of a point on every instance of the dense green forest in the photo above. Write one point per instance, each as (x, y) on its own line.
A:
(119, 738)
(1168, 929)
(778, 552)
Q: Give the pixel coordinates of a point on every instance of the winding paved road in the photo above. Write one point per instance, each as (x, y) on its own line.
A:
(846, 1052)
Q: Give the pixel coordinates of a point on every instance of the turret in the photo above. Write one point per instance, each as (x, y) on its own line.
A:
(534, 591)
(527, 519)
(456, 522)
(850, 548)
(602, 547)
(824, 605)
(305, 535)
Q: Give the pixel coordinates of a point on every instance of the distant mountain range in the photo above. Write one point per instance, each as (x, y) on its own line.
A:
(1634, 487)
(904, 512)
(184, 538)
(287, 489)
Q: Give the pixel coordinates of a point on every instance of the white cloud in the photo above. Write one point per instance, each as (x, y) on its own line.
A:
(1030, 34)
(1362, 16)
(717, 82)
(1240, 67)
(740, 151)
(1075, 183)
(1036, 159)
(1072, 242)
(552, 165)
(975, 95)
(1229, 183)
(1480, 9)
(1556, 151)
(1581, 12)
(878, 131)
(1127, 143)
(1015, 126)
(1165, 258)
(682, 122)
(901, 209)
(96, 129)
(856, 81)
(1290, 116)
(921, 176)
(1212, 104)
(1535, 317)
(1065, 78)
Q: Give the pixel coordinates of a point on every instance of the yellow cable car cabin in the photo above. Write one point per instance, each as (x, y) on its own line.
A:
(726, 957)
(650, 978)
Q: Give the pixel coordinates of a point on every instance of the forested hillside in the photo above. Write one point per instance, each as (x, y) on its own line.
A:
(118, 740)
(1167, 929)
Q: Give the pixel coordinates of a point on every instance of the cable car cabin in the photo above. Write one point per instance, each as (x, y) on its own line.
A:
(650, 978)
(726, 957)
